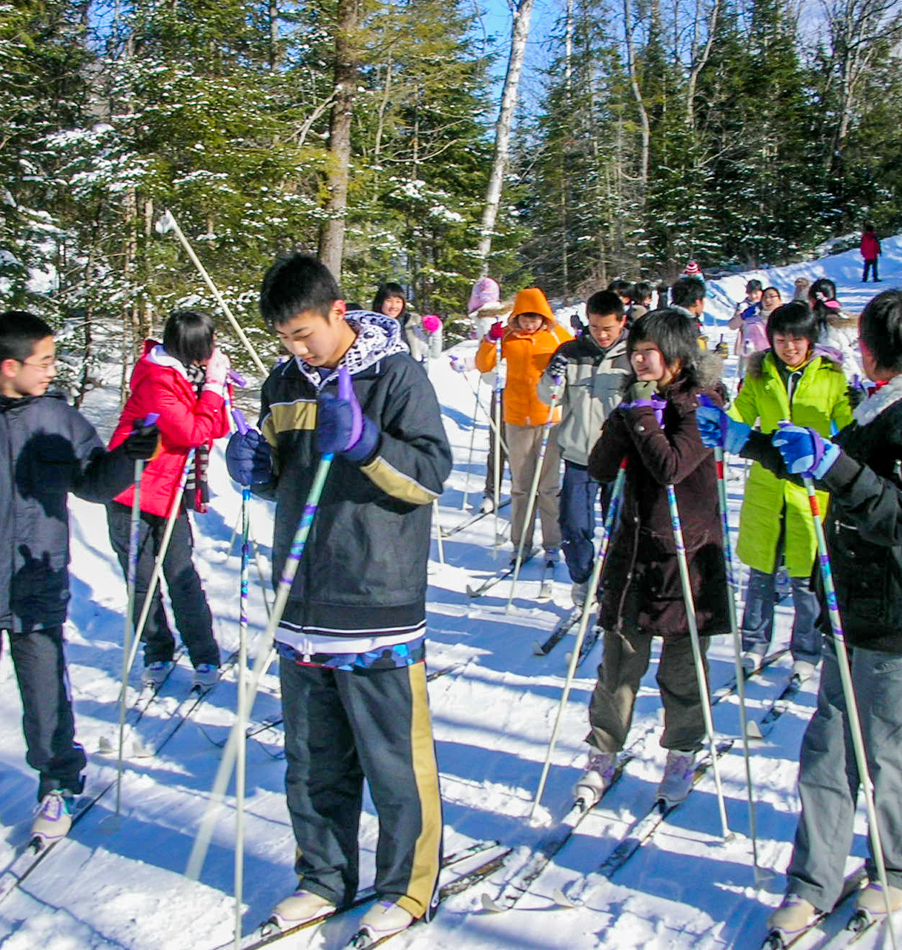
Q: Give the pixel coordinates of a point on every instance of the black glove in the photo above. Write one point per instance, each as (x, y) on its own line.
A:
(143, 441)
(558, 365)
(856, 395)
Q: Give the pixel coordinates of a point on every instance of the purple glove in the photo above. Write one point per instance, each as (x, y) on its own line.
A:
(341, 425)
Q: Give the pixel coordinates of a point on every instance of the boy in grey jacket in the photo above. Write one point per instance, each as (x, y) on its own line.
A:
(593, 367)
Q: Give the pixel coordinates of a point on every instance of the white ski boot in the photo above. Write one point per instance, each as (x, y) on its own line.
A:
(872, 903)
(486, 505)
(156, 673)
(52, 820)
(595, 780)
(792, 916)
(205, 675)
(383, 919)
(299, 908)
(677, 780)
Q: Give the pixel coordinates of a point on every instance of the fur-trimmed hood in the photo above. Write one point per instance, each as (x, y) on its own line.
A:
(378, 336)
(879, 402)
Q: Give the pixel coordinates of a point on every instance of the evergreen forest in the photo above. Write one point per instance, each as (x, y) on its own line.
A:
(733, 132)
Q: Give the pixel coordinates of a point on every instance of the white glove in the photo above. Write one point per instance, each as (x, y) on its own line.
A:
(217, 371)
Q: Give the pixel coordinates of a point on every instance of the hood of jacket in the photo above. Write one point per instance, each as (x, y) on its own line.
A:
(879, 402)
(378, 336)
(154, 359)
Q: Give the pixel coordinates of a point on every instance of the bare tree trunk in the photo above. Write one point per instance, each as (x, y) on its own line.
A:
(699, 59)
(519, 35)
(644, 124)
(332, 238)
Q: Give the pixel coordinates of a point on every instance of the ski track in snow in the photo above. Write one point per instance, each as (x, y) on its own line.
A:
(492, 721)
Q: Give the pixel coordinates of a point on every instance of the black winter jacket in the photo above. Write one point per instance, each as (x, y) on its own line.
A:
(863, 524)
(364, 567)
(47, 449)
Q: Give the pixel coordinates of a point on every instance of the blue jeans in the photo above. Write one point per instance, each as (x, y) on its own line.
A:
(577, 519)
(829, 780)
(758, 620)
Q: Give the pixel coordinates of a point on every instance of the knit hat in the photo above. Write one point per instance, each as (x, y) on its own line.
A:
(692, 269)
(485, 291)
(532, 300)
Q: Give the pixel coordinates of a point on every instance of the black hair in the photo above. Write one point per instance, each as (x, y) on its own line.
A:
(821, 290)
(296, 283)
(793, 319)
(19, 331)
(753, 285)
(674, 333)
(620, 286)
(640, 291)
(386, 290)
(188, 336)
(776, 289)
(869, 226)
(880, 327)
(687, 291)
(605, 302)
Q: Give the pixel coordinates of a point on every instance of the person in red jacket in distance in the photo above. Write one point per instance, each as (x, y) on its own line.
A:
(870, 251)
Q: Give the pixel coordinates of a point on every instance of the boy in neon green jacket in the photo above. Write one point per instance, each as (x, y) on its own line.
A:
(789, 381)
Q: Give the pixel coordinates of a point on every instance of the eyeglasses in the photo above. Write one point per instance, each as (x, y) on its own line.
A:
(44, 365)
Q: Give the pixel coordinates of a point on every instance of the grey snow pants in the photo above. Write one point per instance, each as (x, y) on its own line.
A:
(829, 781)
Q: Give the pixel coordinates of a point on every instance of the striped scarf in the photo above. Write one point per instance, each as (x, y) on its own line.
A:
(197, 491)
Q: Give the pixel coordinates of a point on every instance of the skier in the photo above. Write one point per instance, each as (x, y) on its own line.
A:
(531, 338)
(184, 379)
(860, 470)
(351, 641)
(752, 337)
(421, 334)
(48, 449)
(788, 381)
(688, 295)
(870, 251)
(835, 330)
(593, 368)
(654, 429)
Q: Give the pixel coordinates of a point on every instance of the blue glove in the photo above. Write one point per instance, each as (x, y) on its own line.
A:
(805, 452)
(341, 425)
(717, 429)
(249, 458)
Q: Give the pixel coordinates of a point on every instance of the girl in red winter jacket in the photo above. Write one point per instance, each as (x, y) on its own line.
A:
(184, 380)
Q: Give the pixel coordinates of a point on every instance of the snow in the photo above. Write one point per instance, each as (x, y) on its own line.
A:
(492, 716)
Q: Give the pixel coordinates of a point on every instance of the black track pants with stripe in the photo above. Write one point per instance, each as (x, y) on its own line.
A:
(342, 727)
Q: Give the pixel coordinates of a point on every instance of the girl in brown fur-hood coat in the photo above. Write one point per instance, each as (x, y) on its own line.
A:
(641, 595)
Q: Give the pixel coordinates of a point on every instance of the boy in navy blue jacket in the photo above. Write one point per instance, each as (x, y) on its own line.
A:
(47, 449)
(351, 640)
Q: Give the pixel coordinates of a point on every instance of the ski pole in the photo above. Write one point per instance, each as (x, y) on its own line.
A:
(499, 389)
(158, 561)
(534, 487)
(733, 588)
(607, 528)
(463, 503)
(438, 533)
(168, 223)
(845, 675)
(241, 719)
(683, 564)
(486, 412)
(134, 538)
(296, 552)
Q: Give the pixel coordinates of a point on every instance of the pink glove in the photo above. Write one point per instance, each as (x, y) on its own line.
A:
(217, 371)
(431, 323)
(496, 331)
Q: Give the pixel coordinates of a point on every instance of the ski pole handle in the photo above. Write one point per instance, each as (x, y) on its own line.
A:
(150, 418)
(237, 378)
(240, 422)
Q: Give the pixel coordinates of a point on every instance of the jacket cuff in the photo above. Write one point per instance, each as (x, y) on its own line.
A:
(364, 450)
(841, 473)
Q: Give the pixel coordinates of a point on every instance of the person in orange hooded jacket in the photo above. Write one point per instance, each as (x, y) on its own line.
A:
(527, 345)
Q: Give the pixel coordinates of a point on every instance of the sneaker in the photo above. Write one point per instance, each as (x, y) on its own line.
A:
(803, 670)
(487, 504)
(751, 660)
(300, 907)
(595, 780)
(793, 915)
(871, 899)
(384, 919)
(205, 675)
(677, 778)
(53, 817)
(156, 673)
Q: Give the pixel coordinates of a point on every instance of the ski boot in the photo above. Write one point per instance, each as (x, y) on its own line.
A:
(677, 779)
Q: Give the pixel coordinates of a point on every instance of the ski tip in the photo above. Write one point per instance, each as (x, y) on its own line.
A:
(537, 649)
(561, 899)
(491, 905)
(753, 730)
